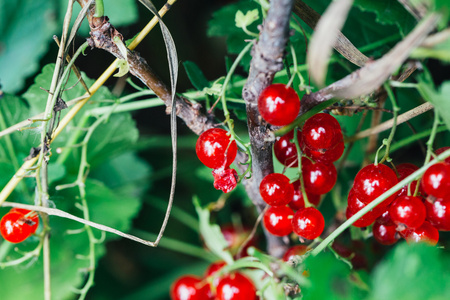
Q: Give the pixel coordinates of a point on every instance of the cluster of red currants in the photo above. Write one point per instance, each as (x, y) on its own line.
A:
(416, 218)
(217, 151)
(18, 224)
(321, 142)
(233, 286)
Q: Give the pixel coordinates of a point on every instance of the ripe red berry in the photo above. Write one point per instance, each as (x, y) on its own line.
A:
(438, 213)
(308, 223)
(436, 180)
(372, 181)
(385, 234)
(277, 220)
(362, 222)
(189, 287)
(293, 251)
(286, 151)
(440, 150)
(425, 233)
(215, 150)
(321, 131)
(298, 202)
(408, 211)
(276, 190)
(18, 224)
(278, 104)
(236, 286)
(404, 170)
(319, 178)
(324, 155)
(225, 179)
(213, 269)
(355, 205)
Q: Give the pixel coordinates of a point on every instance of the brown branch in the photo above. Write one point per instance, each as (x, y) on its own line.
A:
(267, 59)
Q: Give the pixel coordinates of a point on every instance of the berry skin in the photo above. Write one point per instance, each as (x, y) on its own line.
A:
(297, 201)
(440, 150)
(324, 155)
(355, 205)
(404, 170)
(438, 213)
(210, 271)
(319, 178)
(236, 286)
(425, 234)
(285, 151)
(436, 180)
(385, 234)
(372, 181)
(225, 179)
(277, 220)
(276, 190)
(408, 211)
(293, 251)
(18, 224)
(189, 287)
(215, 150)
(278, 104)
(362, 222)
(321, 132)
(308, 223)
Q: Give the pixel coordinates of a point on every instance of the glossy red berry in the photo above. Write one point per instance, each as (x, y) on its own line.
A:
(424, 234)
(319, 178)
(236, 286)
(298, 202)
(438, 213)
(286, 151)
(372, 181)
(404, 170)
(215, 150)
(355, 205)
(408, 211)
(18, 224)
(189, 287)
(308, 223)
(385, 234)
(324, 155)
(277, 220)
(321, 131)
(276, 190)
(436, 180)
(225, 179)
(278, 104)
(362, 222)
(293, 251)
(440, 150)
(213, 269)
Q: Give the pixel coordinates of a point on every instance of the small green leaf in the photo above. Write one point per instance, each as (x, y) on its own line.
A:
(196, 75)
(122, 64)
(242, 21)
(212, 235)
(215, 89)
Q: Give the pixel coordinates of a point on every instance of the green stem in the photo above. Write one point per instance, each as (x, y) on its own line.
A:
(300, 172)
(377, 201)
(395, 109)
(99, 9)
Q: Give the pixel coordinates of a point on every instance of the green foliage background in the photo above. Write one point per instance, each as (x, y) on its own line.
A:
(130, 155)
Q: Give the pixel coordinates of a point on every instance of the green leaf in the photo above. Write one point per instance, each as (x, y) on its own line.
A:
(212, 235)
(440, 51)
(388, 12)
(415, 271)
(437, 97)
(243, 21)
(196, 75)
(21, 45)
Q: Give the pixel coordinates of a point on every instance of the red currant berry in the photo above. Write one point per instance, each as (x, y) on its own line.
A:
(408, 211)
(278, 104)
(436, 180)
(355, 205)
(15, 226)
(225, 179)
(235, 237)
(236, 287)
(276, 190)
(362, 222)
(385, 234)
(286, 151)
(277, 220)
(372, 181)
(213, 269)
(440, 150)
(321, 131)
(438, 213)
(324, 155)
(425, 233)
(293, 251)
(404, 170)
(214, 148)
(189, 287)
(298, 202)
(319, 178)
(385, 217)
(308, 223)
